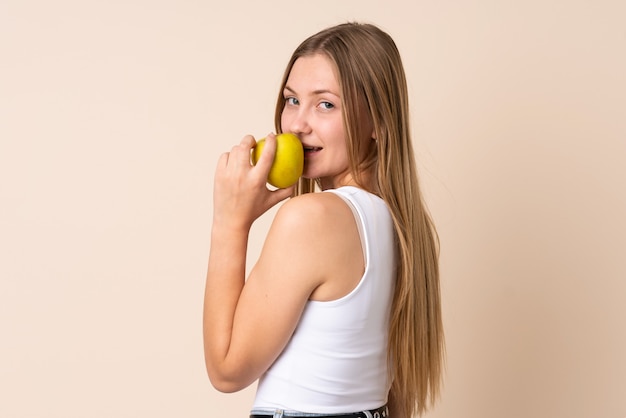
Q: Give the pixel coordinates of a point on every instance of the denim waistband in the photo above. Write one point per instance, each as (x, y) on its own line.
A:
(382, 412)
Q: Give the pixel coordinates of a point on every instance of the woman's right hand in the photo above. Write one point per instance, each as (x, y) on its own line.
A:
(240, 193)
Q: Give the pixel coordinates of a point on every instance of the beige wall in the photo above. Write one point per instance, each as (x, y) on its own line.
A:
(112, 115)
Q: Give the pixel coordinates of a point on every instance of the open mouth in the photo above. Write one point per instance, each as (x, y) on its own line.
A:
(309, 150)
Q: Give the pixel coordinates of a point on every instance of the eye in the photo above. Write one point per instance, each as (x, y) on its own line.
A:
(292, 101)
(326, 105)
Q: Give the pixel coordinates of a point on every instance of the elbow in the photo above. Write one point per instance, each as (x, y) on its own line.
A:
(224, 385)
(227, 382)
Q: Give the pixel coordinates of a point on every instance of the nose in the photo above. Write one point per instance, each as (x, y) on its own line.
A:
(296, 122)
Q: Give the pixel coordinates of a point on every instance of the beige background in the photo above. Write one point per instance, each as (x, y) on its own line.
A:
(112, 116)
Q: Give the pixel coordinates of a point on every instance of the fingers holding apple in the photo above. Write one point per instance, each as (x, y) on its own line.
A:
(240, 194)
(263, 153)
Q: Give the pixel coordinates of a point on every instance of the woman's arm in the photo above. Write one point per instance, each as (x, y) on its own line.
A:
(240, 196)
(225, 280)
(312, 250)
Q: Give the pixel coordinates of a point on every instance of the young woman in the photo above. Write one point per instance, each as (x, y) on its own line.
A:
(341, 312)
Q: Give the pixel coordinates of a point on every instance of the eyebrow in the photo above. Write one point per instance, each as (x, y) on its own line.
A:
(314, 92)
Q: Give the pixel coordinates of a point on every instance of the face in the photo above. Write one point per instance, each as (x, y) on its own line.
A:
(313, 111)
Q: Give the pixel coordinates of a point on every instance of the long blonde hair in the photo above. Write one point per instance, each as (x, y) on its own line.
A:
(371, 77)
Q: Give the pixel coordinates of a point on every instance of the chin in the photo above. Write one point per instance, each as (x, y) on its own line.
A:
(308, 175)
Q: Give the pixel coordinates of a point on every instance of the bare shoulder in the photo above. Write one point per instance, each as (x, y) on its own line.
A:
(314, 211)
(315, 224)
(322, 237)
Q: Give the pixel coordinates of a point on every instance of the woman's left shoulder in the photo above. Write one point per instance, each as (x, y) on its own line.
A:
(314, 210)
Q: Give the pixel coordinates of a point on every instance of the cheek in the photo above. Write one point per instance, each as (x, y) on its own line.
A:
(285, 121)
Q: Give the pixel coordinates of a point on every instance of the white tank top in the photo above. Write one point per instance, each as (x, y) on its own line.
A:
(336, 360)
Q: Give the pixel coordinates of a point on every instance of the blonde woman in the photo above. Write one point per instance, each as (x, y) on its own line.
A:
(340, 315)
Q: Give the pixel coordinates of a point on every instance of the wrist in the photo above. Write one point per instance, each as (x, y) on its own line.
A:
(222, 227)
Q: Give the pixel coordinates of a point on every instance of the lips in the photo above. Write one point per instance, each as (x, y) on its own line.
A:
(308, 149)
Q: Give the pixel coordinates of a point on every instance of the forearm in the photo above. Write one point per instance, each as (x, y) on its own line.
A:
(224, 282)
